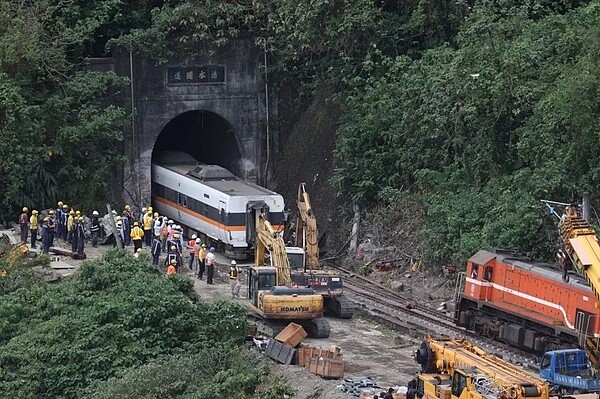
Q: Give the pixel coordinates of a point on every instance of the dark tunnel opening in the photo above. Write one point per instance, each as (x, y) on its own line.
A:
(204, 135)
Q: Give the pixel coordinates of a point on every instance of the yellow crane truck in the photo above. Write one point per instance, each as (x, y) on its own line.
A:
(457, 369)
(274, 300)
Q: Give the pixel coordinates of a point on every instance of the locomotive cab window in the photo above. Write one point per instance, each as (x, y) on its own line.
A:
(182, 199)
(487, 275)
(545, 362)
(474, 271)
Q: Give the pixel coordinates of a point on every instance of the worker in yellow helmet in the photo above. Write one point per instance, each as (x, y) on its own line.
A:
(148, 222)
(70, 223)
(136, 235)
(33, 227)
(172, 270)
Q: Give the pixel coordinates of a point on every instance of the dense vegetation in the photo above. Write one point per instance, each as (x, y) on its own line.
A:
(475, 109)
(120, 328)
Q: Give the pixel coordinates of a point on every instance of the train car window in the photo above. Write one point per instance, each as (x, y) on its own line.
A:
(487, 275)
(206, 196)
(474, 271)
(182, 199)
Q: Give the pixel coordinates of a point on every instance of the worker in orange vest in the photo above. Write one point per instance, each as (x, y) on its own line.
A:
(137, 235)
(171, 270)
(192, 248)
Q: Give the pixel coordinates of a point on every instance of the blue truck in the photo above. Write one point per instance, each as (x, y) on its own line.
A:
(569, 371)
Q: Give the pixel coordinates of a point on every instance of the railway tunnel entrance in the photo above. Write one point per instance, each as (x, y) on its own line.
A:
(206, 136)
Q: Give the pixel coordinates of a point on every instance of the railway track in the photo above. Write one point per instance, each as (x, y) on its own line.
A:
(404, 314)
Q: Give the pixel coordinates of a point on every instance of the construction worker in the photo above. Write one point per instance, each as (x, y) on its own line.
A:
(177, 242)
(173, 256)
(59, 220)
(24, 223)
(70, 222)
(51, 227)
(163, 235)
(210, 265)
(172, 269)
(33, 226)
(156, 225)
(137, 235)
(80, 234)
(95, 228)
(64, 218)
(75, 234)
(148, 222)
(142, 215)
(201, 258)
(191, 246)
(234, 279)
(126, 221)
(45, 242)
(156, 249)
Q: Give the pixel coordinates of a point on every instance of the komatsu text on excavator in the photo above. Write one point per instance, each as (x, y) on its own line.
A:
(453, 369)
(308, 271)
(274, 301)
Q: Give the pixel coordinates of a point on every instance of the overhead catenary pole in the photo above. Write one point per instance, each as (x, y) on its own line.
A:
(586, 206)
(267, 117)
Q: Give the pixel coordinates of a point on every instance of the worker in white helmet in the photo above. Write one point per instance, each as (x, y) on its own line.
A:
(234, 279)
(191, 246)
(95, 228)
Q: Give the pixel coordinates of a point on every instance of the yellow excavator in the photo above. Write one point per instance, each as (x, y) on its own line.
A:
(457, 369)
(309, 271)
(274, 300)
(11, 253)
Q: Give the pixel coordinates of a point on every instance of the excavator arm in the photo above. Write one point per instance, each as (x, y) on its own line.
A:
(269, 239)
(306, 229)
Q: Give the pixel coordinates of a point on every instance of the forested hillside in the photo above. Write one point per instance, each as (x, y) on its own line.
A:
(473, 109)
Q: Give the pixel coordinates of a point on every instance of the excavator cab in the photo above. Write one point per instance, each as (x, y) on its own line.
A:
(260, 279)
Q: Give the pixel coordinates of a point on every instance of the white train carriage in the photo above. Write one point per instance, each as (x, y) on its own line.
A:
(212, 201)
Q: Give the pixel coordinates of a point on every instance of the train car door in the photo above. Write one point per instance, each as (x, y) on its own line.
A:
(223, 232)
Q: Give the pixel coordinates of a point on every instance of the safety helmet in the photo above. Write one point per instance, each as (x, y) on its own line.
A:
(212, 249)
(95, 213)
(233, 263)
(139, 250)
(173, 261)
(194, 236)
(136, 224)
(60, 203)
(34, 212)
(203, 245)
(175, 235)
(127, 207)
(71, 212)
(173, 247)
(170, 222)
(81, 218)
(78, 213)
(150, 209)
(118, 218)
(65, 206)
(155, 214)
(51, 212)
(144, 210)
(25, 209)
(198, 241)
(46, 219)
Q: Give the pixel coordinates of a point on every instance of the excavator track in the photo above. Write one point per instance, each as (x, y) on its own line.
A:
(268, 328)
(341, 306)
(316, 328)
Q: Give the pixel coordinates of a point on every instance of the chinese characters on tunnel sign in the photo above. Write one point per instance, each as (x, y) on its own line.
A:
(196, 74)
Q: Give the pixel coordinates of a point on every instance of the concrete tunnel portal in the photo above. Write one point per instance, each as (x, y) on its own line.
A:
(206, 136)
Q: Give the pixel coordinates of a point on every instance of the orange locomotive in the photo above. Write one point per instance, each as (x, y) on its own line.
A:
(528, 304)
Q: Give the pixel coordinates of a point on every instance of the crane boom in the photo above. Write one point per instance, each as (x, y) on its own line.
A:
(470, 367)
(306, 229)
(271, 240)
(580, 245)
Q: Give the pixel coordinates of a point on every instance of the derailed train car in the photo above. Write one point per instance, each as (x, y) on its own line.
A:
(525, 303)
(211, 201)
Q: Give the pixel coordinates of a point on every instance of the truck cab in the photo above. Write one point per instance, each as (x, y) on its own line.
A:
(569, 370)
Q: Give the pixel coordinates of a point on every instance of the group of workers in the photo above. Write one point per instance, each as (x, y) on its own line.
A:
(149, 229)
(62, 223)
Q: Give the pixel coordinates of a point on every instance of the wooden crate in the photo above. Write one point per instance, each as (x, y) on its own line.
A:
(328, 368)
(307, 352)
(292, 335)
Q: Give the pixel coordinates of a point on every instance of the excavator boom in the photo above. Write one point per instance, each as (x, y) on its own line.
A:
(306, 229)
(269, 239)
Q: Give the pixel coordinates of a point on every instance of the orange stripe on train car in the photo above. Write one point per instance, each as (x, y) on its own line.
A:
(204, 218)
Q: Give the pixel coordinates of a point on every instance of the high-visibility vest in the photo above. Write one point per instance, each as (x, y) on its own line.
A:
(33, 222)
(137, 233)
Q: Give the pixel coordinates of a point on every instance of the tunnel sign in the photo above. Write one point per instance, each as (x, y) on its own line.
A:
(196, 74)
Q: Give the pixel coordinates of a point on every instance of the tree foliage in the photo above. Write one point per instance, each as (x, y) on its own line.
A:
(113, 316)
